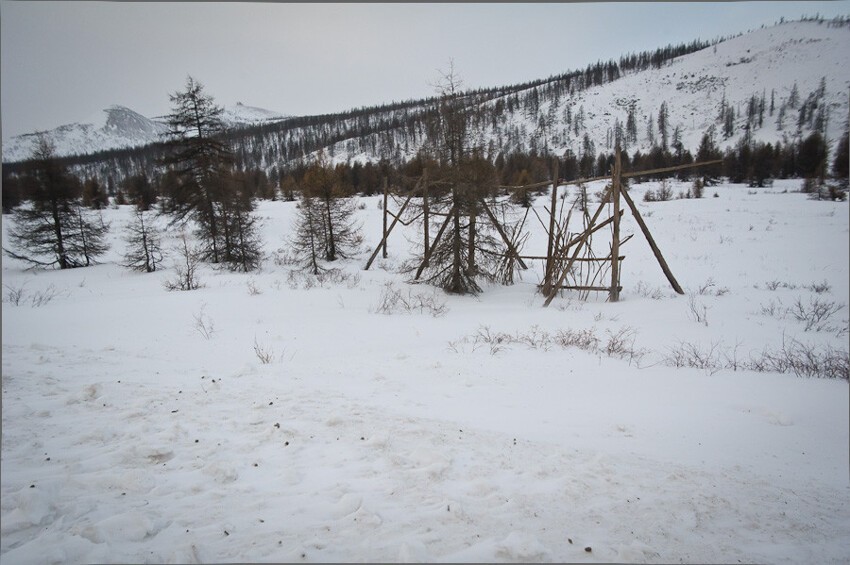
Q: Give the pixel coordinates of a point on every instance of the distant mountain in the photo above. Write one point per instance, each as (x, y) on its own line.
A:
(242, 115)
(118, 127)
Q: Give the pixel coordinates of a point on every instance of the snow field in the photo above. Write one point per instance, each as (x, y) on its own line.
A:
(129, 436)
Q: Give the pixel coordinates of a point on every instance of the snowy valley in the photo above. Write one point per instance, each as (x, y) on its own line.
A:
(292, 413)
(274, 416)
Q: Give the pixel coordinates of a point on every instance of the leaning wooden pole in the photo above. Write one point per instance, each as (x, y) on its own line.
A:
(553, 289)
(427, 258)
(507, 241)
(387, 232)
(425, 215)
(664, 267)
(582, 240)
(386, 197)
(550, 246)
(614, 294)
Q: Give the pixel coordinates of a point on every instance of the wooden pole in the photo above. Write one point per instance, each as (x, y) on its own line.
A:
(386, 195)
(664, 267)
(582, 239)
(614, 296)
(426, 211)
(550, 246)
(511, 249)
(668, 169)
(434, 243)
(387, 233)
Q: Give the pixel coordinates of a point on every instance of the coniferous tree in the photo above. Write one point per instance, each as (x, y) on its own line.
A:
(794, 97)
(841, 161)
(207, 192)
(631, 126)
(53, 230)
(325, 229)
(93, 194)
(812, 157)
(144, 251)
(663, 119)
(650, 131)
(200, 158)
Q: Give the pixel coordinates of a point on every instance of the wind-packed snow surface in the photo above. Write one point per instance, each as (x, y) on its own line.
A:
(141, 425)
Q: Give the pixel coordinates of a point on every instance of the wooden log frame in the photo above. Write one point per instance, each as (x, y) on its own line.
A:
(613, 191)
(581, 240)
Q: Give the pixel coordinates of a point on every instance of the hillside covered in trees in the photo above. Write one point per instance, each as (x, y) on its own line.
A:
(773, 102)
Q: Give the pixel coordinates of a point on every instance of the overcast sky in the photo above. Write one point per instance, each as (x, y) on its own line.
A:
(65, 61)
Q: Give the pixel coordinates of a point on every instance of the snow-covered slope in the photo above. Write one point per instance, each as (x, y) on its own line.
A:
(119, 127)
(111, 128)
(241, 115)
(764, 63)
(761, 62)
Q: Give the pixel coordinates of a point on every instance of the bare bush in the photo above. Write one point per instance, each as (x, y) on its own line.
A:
(323, 279)
(585, 339)
(644, 290)
(185, 267)
(687, 354)
(804, 360)
(253, 289)
(285, 258)
(815, 314)
(775, 284)
(819, 287)
(203, 324)
(263, 353)
(621, 344)
(18, 295)
(14, 295)
(395, 301)
(774, 309)
(697, 311)
(662, 194)
(42, 297)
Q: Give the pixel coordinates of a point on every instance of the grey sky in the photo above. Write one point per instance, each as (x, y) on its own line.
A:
(65, 61)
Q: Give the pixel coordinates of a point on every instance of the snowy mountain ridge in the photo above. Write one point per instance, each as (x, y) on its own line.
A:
(118, 127)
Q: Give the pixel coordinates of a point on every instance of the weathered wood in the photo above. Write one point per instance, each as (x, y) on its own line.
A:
(668, 169)
(386, 196)
(526, 186)
(511, 249)
(615, 231)
(597, 288)
(387, 233)
(426, 216)
(658, 256)
(578, 260)
(582, 239)
(550, 245)
(426, 258)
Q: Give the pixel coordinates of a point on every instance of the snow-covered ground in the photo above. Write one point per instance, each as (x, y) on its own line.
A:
(130, 436)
